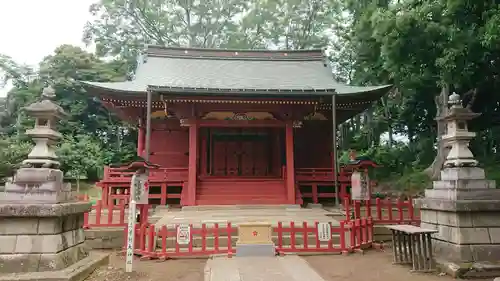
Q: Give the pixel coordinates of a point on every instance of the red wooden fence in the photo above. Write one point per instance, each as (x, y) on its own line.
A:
(387, 211)
(353, 235)
(382, 211)
(105, 216)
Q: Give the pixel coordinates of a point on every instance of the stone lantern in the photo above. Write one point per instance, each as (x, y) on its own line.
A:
(44, 134)
(39, 178)
(41, 234)
(457, 134)
(463, 206)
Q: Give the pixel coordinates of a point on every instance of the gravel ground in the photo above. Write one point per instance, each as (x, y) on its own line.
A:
(170, 270)
(373, 265)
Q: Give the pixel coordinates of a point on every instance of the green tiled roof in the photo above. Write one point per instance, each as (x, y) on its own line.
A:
(179, 70)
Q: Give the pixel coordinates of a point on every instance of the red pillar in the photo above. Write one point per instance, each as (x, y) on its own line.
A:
(192, 173)
(290, 165)
(140, 141)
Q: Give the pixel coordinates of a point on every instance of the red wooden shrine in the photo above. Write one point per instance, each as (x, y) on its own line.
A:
(234, 126)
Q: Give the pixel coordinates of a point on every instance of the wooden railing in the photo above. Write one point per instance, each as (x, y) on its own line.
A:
(160, 174)
(116, 183)
(317, 177)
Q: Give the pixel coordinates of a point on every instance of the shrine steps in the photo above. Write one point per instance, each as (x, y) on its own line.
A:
(241, 192)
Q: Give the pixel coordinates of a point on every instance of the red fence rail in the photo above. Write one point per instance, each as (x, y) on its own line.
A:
(383, 211)
(161, 243)
(105, 216)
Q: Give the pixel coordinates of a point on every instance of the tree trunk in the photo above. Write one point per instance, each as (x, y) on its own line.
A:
(387, 117)
(434, 170)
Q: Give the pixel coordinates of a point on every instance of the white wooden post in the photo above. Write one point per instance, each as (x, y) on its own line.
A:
(132, 211)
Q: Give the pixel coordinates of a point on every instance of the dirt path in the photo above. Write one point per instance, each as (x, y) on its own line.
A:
(373, 266)
(171, 270)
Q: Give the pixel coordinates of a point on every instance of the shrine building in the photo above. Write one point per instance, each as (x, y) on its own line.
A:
(234, 126)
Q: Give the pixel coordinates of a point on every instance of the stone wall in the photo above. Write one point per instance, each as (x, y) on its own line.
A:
(41, 243)
(465, 235)
(104, 238)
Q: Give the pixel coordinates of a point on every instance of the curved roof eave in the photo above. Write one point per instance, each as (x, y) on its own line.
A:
(346, 89)
(117, 87)
(343, 91)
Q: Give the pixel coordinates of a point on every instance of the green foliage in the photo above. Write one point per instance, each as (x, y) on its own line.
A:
(93, 136)
(80, 155)
(12, 152)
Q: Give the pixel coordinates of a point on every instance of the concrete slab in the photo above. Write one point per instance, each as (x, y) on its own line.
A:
(236, 215)
(288, 268)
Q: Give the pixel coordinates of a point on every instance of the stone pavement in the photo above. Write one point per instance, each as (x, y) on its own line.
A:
(288, 268)
(241, 214)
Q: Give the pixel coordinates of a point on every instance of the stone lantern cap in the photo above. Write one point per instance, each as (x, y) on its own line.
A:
(45, 107)
(457, 111)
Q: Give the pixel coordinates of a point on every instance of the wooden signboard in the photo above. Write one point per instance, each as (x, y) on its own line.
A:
(360, 186)
(324, 232)
(183, 234)
(140, 189)
(130, 237)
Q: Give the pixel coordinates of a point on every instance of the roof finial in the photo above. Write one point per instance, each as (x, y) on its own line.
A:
(454, 100)
(48, 93)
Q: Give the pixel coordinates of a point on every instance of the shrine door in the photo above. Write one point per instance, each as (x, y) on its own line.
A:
(241, 155)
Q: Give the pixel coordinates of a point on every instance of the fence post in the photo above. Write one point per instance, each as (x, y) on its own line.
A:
(378, 208)
(347, 209)
(343, 240)
(357, 209)
(98, 212)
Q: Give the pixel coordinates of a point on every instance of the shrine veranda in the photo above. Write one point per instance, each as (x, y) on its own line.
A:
(235, 127)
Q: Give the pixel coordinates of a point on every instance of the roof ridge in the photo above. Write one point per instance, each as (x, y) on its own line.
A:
(238, 54)
(152, 46)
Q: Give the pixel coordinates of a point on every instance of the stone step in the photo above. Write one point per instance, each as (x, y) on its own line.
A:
(240, 207)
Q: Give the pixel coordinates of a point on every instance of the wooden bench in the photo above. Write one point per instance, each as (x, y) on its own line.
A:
(412, 245)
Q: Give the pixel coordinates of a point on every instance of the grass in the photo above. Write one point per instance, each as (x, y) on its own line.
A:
(90, 189)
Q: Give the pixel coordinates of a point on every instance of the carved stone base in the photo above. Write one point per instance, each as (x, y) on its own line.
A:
(37, 185)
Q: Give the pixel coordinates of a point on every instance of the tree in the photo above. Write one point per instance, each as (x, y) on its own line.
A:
(12, 152)
(79, 155)
(123, 27)
(63, 70)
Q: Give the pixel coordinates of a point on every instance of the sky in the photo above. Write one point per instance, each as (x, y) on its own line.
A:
(32, 29)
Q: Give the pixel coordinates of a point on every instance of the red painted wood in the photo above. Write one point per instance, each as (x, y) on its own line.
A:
(140, 140)
(236, 123)
(316, 136)
(241, 191)
(203, 154)
(192, 172)
(232, 156)
(290, 165)
(259, 158)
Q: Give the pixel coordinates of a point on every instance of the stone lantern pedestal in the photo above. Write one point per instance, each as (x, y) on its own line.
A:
(41, 235)
(463, 206)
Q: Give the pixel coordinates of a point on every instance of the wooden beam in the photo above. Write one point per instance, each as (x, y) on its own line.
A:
(193, 159)
(290, 163)
(334, 150)
(147, 149)
(234, 123)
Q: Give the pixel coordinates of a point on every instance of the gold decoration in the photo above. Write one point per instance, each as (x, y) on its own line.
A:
(228, 115)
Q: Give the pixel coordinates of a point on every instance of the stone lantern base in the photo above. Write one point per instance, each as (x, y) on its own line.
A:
(44, 242)
(464, 208)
